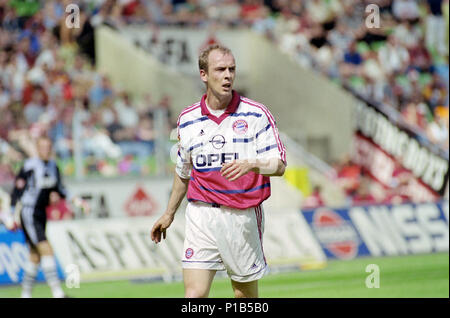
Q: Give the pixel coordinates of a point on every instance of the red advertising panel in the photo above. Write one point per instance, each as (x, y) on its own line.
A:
(383, 147)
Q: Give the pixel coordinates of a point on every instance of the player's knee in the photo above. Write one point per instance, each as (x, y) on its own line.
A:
(192, 292)
(34, 257)
(238, 293)
(245, 290)
(245, 294)
(44, 248)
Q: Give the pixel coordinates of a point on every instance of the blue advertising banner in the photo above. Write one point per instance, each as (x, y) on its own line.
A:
(14, 257)
(378, 230)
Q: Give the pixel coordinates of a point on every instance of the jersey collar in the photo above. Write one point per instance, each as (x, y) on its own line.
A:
(231, 108)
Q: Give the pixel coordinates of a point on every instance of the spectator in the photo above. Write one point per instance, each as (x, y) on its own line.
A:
(5, 96)
(264, 24)
(410, 113)
(399, 191)
(116, 131)
(314, 200)
(252, 11)
(353, 16)
(58, 208)
(340, 37)
(61, 134)
(97, 143)
(438, 129)
(420, 58)
(127, 113)
(405, 10)
(146, 106)
(224, 12)
(363, 195)
(159, 11)
(106, 112)
(348, 175)
(135, 11)
(408, 35)
(35, 108)
(10, 19)
(8, 154)
(394, 56)
(100, 91)
(435, 92)
(435, 27)
(145, 134)
(53, 12)
(352, 56)
(392, 92)
(352, 62)
(321, 12)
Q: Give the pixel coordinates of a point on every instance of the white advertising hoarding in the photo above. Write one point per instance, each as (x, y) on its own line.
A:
(179, 47)
(124, 197)
(122, 247)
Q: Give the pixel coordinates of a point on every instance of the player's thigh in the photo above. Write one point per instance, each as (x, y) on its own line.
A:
(241, 246)
(245, 290)
(44, 248)
(197, 282)
(40, 223)
(200, 246)
(35, 258)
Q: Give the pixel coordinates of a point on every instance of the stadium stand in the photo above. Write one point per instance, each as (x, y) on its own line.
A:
(48, 71)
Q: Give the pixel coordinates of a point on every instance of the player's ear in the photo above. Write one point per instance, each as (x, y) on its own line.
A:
(203, 76)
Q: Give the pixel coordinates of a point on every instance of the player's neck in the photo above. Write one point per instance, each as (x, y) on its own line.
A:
(215, 102)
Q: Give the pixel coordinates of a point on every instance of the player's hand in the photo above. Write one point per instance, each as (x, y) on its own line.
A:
(14, 227)
(236, 169)
(9, 222)
(83, 205)
(160, 227)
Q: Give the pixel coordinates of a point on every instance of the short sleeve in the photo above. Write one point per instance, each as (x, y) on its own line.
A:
(183, 166)
(268, 141)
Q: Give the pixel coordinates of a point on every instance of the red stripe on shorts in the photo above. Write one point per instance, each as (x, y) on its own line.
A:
(258, 212)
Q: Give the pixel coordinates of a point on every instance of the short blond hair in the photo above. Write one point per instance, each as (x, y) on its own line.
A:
(204, 54)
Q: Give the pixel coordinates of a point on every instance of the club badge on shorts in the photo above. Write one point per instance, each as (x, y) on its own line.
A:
(189, 253)
(240, 126)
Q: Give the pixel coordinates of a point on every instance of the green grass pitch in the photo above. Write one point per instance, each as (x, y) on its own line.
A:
(409, 276)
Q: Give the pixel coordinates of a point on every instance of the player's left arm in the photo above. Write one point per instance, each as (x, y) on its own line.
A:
(8, 215)
(75, 200)
(271, 167)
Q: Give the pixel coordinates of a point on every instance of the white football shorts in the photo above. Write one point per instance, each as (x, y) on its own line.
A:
(223, 238)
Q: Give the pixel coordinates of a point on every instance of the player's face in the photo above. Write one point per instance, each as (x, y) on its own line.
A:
(221, 73)
(44, 148)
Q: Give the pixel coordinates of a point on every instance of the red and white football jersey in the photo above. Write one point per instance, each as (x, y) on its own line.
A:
(246, 130)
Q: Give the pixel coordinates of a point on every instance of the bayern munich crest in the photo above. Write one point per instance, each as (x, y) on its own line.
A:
(189, 253)
(240, 126)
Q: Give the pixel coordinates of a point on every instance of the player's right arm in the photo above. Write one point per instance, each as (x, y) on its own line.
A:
(19, 187)
(179, 189)
(20, 183)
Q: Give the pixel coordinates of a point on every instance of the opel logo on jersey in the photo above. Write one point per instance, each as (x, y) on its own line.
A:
(215, 159)
(218, 141)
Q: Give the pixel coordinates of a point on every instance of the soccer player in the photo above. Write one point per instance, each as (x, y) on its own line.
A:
(229, 147)
(37, 179)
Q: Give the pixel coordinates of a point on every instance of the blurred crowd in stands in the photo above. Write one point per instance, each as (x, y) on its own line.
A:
(47, 71)
(47, 74)
(401, 60)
